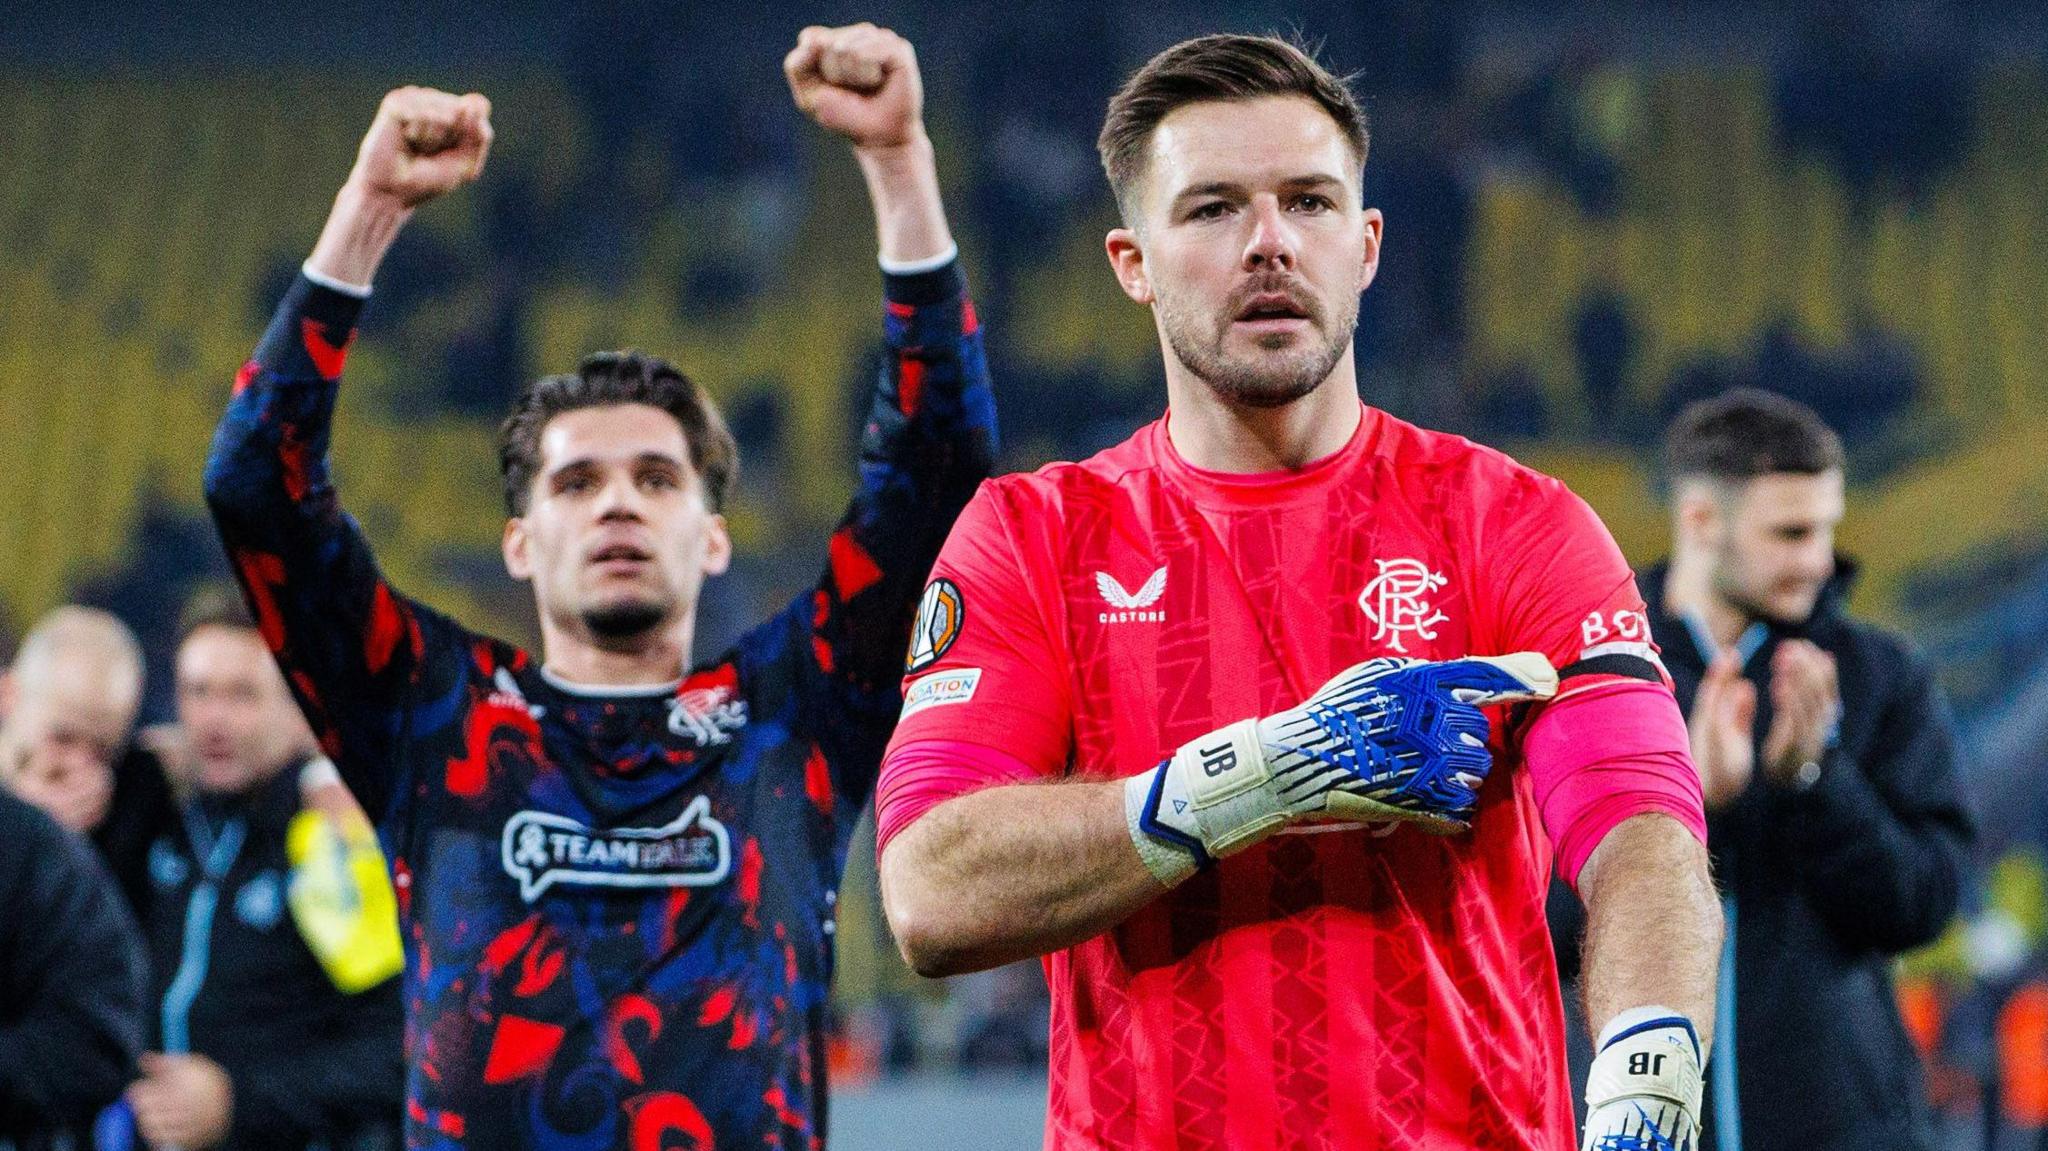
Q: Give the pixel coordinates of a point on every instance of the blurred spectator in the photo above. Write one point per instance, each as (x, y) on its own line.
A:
(1876, 90)
(279, 1024)
(71, 983)
(1826, 756)
(66, 707)
(1004, 1018)
(1604, 336)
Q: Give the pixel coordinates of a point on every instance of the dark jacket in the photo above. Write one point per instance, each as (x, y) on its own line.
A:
(1827, 887)
(236, 982)
(141, 811)
(71, 980)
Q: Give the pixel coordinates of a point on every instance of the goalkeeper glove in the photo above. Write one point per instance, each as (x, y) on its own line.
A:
(1387, 739)
(1643, 1093)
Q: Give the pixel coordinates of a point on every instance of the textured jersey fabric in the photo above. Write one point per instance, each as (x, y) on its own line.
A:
(618, 907)
(1365, 987)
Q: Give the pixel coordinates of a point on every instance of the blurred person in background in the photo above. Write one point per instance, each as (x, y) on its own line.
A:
(276, 1026)
(1836, 816)
(67, 707)
(620, 863)
(72, 978)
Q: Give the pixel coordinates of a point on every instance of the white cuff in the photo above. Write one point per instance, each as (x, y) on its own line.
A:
(319, 771)
(1634, 1017)
(359, 291)
(919, 267)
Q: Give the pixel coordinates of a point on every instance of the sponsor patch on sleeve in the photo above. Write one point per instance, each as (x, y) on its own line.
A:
(956, 686)
(940, 615)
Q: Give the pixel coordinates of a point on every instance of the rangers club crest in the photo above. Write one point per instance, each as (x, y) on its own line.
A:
(1397, 603)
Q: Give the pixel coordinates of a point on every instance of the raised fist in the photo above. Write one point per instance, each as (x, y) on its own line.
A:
(423, 143)
(859, 81)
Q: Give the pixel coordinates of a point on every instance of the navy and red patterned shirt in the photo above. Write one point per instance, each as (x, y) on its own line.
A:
(618, 908)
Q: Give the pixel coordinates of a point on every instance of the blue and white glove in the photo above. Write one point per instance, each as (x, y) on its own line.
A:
(1643, 1092)
(1387, 739)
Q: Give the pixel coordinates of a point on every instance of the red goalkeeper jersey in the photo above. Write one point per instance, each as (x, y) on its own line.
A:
(1372, 987)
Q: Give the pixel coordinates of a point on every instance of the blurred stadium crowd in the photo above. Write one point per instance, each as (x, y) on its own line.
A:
(1593, 219)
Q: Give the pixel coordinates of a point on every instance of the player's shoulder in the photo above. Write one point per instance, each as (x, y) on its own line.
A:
(1056, 488)
(1483, 478)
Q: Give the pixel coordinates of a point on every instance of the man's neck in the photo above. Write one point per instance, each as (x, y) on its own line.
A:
(658, 657)
(1214, 434)
(1689, 590)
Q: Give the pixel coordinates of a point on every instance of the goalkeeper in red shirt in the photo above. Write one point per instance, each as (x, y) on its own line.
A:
(1115, 751)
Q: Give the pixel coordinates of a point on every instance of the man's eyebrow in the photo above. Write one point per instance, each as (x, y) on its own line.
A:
(1212, 188)
(646, 457)
(1312, 180)
(1231, 188)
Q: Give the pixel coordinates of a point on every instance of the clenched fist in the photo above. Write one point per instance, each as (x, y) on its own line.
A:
(859, 81)
(422, 144)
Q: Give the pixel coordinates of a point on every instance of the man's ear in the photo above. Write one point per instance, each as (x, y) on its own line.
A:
(1127, 260)
(717, 547)
(10, 693)
(1698, 514)
(518, 564)
(1375, 232)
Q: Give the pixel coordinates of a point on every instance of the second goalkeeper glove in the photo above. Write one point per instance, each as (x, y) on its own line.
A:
(1387, 739)
(1643, 1092)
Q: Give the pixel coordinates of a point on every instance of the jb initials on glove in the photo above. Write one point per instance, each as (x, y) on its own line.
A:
(1387, 739)
(1643, 1092)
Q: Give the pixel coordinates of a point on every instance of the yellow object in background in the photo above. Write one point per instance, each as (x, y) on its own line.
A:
(340, 896)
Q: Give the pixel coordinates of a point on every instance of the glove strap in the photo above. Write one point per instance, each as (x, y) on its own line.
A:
(1227, 781)
(1169, 853)
(1647, 1053)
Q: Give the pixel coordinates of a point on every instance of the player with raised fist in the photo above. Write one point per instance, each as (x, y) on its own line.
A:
(617, 861)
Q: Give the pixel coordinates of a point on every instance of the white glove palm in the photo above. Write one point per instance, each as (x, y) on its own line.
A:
(1643, 1092)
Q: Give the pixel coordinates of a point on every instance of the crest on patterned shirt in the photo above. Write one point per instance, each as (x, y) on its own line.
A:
(1396, 601)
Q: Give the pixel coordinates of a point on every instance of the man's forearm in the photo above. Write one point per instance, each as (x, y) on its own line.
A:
(360, 230)
(1012, 872)
(903, 185)
(1653, 923)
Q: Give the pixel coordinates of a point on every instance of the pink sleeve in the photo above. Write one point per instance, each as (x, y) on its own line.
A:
(985, 665)
(1560, 586)
(919, 776)
(1603, 754)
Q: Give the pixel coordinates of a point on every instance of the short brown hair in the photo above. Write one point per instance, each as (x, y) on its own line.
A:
(603, 380)
(1744, 433)
(1219, 67)
(214, 605)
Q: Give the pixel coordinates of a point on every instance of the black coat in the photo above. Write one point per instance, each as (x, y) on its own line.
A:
(142, 810)
(71, 980)
(1828, 886)
(308, 1061)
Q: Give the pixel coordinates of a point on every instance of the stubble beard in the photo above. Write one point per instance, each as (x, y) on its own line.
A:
(625, 620)
(1262, 381)
(1754, 606)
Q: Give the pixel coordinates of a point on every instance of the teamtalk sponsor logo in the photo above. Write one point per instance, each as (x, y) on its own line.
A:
(541, 849)
(707, 716)
(940, 615)
(941, 687)
(1396, 601)
(1131, 606)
